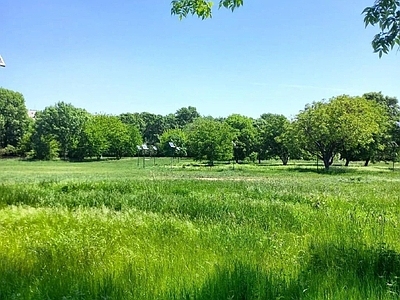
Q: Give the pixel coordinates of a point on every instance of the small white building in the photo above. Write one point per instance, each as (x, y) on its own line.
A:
(32, 113)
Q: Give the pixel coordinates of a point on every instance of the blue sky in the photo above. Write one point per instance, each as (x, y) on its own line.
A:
(133, 56)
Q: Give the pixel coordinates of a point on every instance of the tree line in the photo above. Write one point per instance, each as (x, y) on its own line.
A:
(351, 128)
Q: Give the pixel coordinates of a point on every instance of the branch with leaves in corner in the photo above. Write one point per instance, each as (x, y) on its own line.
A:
(201, 8)
(384, 13)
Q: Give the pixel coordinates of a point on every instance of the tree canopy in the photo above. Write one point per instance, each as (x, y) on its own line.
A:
(211, 140)
(384, 13)
(13, 117)
(326, 128)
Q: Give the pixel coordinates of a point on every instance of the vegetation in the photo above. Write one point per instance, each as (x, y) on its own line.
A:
(343, 123)
(13, 118)
(384, 13)
(210, 140)
(112, 230)
(354, 128)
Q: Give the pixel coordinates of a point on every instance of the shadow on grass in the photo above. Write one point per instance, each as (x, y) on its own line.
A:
(332, 272)
(322, 170)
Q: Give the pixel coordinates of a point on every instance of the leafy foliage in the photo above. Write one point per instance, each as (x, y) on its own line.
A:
(185, 116)
(273, 137)
(244, 135)
(176, 136)
(201, 8)
(325, 128)
(211, 140)
(385, 14)
(13, 117)
(64, 123)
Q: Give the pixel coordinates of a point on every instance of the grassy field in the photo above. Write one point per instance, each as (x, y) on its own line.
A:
(113, 230)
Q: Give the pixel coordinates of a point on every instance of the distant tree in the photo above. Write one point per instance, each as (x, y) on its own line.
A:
(244, 135)
(391, 104)
(46, 147)
(211, 140)
(106, 135)
(381, 144)
(325, 128)
(25, 144)
(95, 138)
(170, 122)
(133, 119)
(274, 139)
(13, 117)
(176, 136)
(2, 127)
(62, 122)
(186, 115)
(154, 126)
(135, 139)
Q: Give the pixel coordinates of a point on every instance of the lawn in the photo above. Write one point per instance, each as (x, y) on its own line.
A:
(116, 230)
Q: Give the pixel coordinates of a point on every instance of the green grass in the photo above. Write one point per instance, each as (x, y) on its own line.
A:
(113, 230)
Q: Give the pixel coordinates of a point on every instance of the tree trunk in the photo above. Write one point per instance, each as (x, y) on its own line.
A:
(326, 163)
(367, 162)
(328, 159)
(284, 160)
(347, 162)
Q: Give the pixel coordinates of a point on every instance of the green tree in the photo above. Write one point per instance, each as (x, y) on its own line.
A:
(211, 140)
(13, 117)
(154, 126)
(186, 115)
(274, 138)
(109, 136)
(325, 128)
(46, 147)
(176, 136)
(133, 119)
(95, 139)
(25, 144)
(245, 133)
(381, 145)
(64, 123)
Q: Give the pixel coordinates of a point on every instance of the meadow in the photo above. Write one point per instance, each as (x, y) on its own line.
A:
(116, 230)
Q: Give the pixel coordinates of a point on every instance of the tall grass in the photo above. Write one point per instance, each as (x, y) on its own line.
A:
(114, 231)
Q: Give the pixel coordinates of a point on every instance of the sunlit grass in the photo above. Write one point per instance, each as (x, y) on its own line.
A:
(113, 230)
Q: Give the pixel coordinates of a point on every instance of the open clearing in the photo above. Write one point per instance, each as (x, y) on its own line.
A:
(113, 230)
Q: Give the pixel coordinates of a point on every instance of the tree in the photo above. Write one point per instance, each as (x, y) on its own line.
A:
(176, 136)
(244, 139)
(211, 140)
(62, 122)
(273, 138)
(95, 140)
(106, 135)
(13, 117)
(382, 144)
(326, 128)
(385, 13)
(186, 115)
(153, 128)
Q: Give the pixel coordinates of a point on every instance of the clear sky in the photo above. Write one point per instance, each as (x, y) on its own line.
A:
(133, 56)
